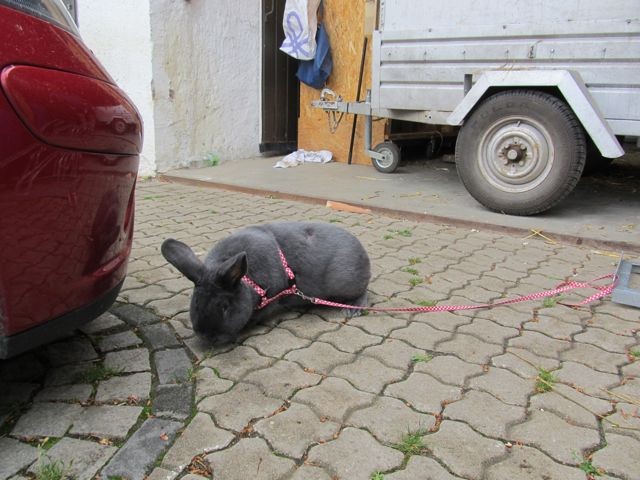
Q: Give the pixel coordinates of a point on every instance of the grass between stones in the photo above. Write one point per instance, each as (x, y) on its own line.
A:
(544, 381)
(421, 357)
(97, 373)
(377, 476)
(412, 443)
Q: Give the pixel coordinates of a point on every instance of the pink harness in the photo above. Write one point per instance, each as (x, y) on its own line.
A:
(264, 300)
(602, 291)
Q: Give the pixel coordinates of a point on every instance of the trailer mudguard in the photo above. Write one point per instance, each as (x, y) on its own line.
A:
(570, 85)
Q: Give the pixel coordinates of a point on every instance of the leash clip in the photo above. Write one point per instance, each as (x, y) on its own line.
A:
(299, 293)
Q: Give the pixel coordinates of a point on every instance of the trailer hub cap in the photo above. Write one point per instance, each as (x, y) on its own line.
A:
(516, 154)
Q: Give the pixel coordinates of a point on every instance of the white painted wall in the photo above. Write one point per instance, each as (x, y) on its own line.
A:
(206, 74)
(119, 33)
(192, 67)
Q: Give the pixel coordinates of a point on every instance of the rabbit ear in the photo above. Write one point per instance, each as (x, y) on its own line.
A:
(232, 270)
(182, 257)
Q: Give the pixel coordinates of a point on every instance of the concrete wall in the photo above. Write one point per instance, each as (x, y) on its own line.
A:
(119, 33)
(206, 73)
(192, 67)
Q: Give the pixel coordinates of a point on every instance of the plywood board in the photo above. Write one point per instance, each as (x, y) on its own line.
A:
(345, 24)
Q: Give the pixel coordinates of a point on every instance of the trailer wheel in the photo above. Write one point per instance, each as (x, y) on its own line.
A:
(520, 152)
(391, 158)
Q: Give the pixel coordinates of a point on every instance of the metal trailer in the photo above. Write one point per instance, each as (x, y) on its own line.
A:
(531, 84)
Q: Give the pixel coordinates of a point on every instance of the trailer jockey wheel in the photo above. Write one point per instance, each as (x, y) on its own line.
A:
(391, 159)
(521, 152)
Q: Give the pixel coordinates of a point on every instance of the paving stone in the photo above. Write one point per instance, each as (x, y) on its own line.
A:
(208, 383)
(118, 341)
(203, 349)
(134, 315)
(183, 329)
(421, 468)
(558, 439)
(355, 455)
(159, 336)
(553, 327)
(504, 385)
(309, 326)
(80, 459)
(18, 392)
(390, 419)
(79, 392)
(122, 388)
(626, 416)
(540, 344)
(282, 379)
(235, 408)
(368, 374)
(320, 357)
(291, 432)
(106, 421)
(424, 393)
(421, 335)
(448, 369)
(488, 331)
(586, 379)
(616, 458)
(138, 455)
(630, 388)
(505, 316)
(470, 348)
(334, 398)
(462, 450)
(140, 296)
(485, 413)
(67, 374)
(46, 419)
(200, 436)
(237, 362)
(555, 401)
(77, 349)
(104, 322)
(525, 463)
(171, 306)
(394, 353)
(308, 472)
(380, 325)
(606, 340)
(15, 456)
(172, 365)
(128, 361)
(173, 401)
(164, 474)
(595, 357)
(513, 361)
(276, 343)
(614, 325)
(349, 339)
(249, 455)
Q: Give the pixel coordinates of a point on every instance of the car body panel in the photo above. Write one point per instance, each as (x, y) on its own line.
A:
(66, 204)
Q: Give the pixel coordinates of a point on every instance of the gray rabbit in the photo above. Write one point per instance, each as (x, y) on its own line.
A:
(235, 285)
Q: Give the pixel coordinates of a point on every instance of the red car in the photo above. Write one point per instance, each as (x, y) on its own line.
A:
(69, 149)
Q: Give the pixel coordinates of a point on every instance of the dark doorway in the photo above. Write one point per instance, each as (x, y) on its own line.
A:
(280, 87)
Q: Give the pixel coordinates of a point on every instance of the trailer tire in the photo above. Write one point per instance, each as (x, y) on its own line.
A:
(392, 157)
(521, 152)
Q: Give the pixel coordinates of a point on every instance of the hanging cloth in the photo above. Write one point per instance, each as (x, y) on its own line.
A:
(315, 72)
(300, 23)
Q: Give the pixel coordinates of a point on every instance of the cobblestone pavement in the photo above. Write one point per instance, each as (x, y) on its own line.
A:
(314, 396)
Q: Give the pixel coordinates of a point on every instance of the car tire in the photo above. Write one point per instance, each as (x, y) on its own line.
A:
(521, 152)
(391, 159)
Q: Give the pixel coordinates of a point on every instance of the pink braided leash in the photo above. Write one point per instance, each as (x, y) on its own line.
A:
(602, 291)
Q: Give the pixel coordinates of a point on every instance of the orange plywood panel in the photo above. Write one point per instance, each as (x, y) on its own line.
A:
(345, 24)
